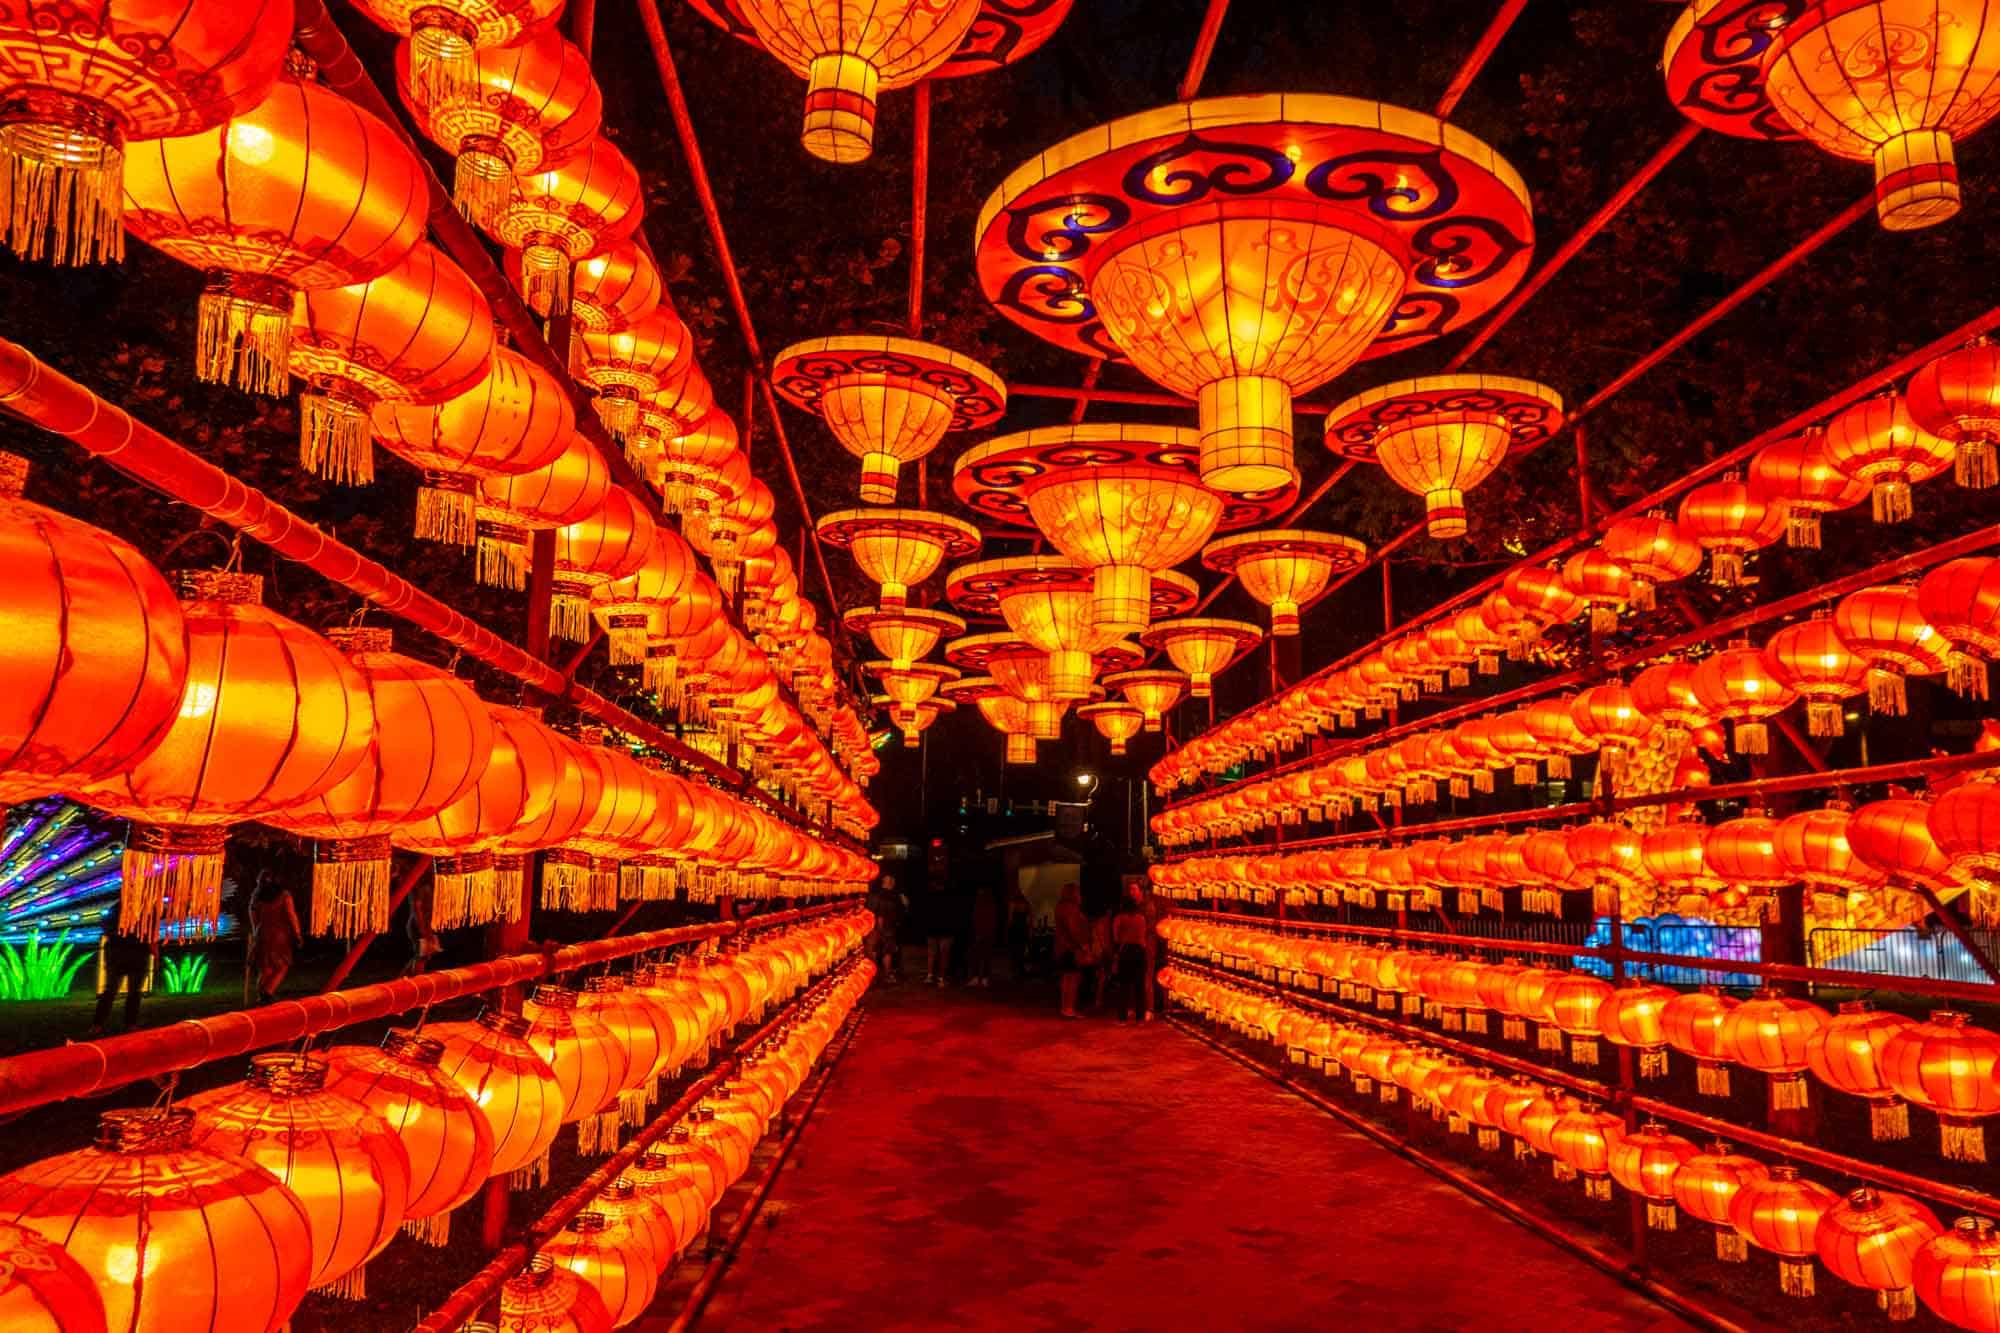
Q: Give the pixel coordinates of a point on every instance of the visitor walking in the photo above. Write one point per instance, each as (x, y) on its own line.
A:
(274, 934)
(126, 961)
(1073, 946)
(985, 931)
(1131, 957)
(939, 912)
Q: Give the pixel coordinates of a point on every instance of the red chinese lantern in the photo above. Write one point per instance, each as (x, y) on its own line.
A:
(525, 106)
(627, 608)
(1847, 1054)
(420, 333)
(608, 545)
(613, 289)
(589, 1061)
(1811, 660)
(1665, 693)
(1965, 824)
(1539, 599)
(1796, 473)
(1612, 717)
(546, 1298)
(1575, 1003)
(612, 1259)
(1886, 628)
(1958, 1275)
(1770, 1033)
(271, 714)
(78, 90)
(630, 366)
(45, 1291)
(1781, 1213)
(342, 1161)
(1957, 398)
(1706, 1186)
(516, 420)
(1654, 550)
(442, 1128)
(507, 508)
(98, 658)
(156, 1222)
(1813, 848)
(1479, 639)
(646, 1219)
(447, 36)
(564, 214)
(1693, 1022)
(433, 737)
(1948, 1066)
(1603, 582)
(1557, 735)
(513, 1087)
(1729, 520)
(641, 1029)
(1634, 1015)
(1878, 442)
(1645, 1162)
(1583, 1140)
(1734, 685)
(305, 190)
(1871, 1240)
(1894, 837)
(1960, 599)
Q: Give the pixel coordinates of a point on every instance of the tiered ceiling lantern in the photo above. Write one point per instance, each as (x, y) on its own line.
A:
(898, 547)
(848, 53)
(1892, 82)
(1123, 501)
(1441, 435)
(1116, 722)
(1002, 711)
(1152, 690)
(1284, 568)
(1046, 600)
(888, 400)
(1202, 646)
(904, 636)
(1243, 250)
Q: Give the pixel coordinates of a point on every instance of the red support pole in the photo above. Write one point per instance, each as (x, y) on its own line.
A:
(1481, 53)
(1204, 47)
(920, 189)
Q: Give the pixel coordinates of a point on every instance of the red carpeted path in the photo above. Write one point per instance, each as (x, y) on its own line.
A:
(980, 1164)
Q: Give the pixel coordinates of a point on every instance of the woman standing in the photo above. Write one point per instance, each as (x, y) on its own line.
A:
(1073, 946)
(1130, 928)
(274, 934)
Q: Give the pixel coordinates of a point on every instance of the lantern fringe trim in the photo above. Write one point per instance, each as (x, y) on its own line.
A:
(336, 437)
(1899, 1303)
(497, 557)
(1661, 1215)
(483, 183)
(545, 278)
(1966, 674)
(1752, 737)
(243, 340)
(1888, 1120)
(444, 62)
(1802, 528)
(1891, 501)
(349, 1286)
(1962, 1140)
(350, 895)
(1887, 694)
(1823, 717)
(532, 1176)
(1975, 466)
(1643, 597)
(1583, 1050)
(1730, 1247)
(434, 1231)
(1795, 1276)
(446, 510)
(171, 881)
(64, 187)
(1725, 569)
(1789, 1092)
(569, 613)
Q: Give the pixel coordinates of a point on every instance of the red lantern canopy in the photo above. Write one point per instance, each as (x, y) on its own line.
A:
(1948, 1066)
(342, 1161)
(420, 333)
(1654, 550)
(567, 213)
(144, 1201)
(1811, 660)
(1796, 473)
(1646, 1161)
(1871, 1240)
(513, 1087)
(1693, 1022)
(1781, 1213)
(1706, 1186)
(441, 1127)
(433, 737)
(1885, 627)
(1734, 685)
(1958, 1275)
(1665, 693)
(1729, 520)
(1957, 398)
(1960, 599)
(1539, 597)
(1894, 837)
(271, 715)
(1878, 442)
(76, 92)
(305, 190)
(1770, 1033)
(1611, 716)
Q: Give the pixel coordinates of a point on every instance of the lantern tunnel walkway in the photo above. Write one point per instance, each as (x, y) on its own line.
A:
(979, 1163)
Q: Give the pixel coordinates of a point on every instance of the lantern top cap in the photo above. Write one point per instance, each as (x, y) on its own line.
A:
(954, 536)
(1713, 47)
(802, 372)
(972, 689)
(1531, 412)
(352, 639)
(936, 670)
(145, 1129)
(1146, 676)
(217, 585)
(978, 652)
(411, 1045)
(1226, 553)
(980, 587)
(1108, 707)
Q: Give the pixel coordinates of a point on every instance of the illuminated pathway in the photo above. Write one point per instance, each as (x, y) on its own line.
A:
(976, 1165)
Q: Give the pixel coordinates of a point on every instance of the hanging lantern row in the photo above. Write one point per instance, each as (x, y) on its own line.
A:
(1868, 867)
(1875, 1239)
(293, 1179)
(1947, 624)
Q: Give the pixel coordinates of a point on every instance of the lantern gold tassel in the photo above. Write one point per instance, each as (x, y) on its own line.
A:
(1711, 1079)
(1526, 774)
(510, 883)
(1561, 1170)
(1891, 501)
(450, 899)
(64, 177)
(171, 882)
(336, 438)
(1823, 717)
(1725, 569)
(1730, 1247)
(1513, 1028)
(1652, 1063)
(243, 341)
(1559, 767)
(1788, 1092)
(1888, 1120)
(1975, 467)
(565, 880)
(484, 182)
(1603, 620)
(1899, 1303)
(1962, 1140)
(497, 557)
(349, 1286)
(1886, 693)
(1598, 1188)
(1489, 1139)
(1966, 674)
(1795, 1277)
(350, 894)
(1802, 528)
(632, 1106)
(1549, 1037)
(444, 64)
(1583, 1050)
(1482, 781)
(1489, 664)
(1753, 738)
(569, 614)
(1460, 677)
(532, 1176)
(434, 1230)
(446, 511)
(545, 278)
(1643, 598)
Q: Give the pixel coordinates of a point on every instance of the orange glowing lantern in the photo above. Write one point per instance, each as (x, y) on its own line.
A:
(906, 636)
(657, 1231)
(144, 1189)
(1706, 1187)
(614, 542)
(514, 1088)
(507, 508)
(547, 1298)
(1885, 627)
(441, 1127)
(564, 214)
(1960, 599)
(1604, 584)
(1964, 823)
(1781, 1213)
(1810, 659)
(1284, 567)
(1958, 1275)
(1878, 442)
(1116, 722)
(631, 609)
(1947, 1066)
(526, 105)
(1633, 1015)
(433, 737)
(1479, 637)
(1537, 599)
(1871, 1239)
(74, 93)
(271, 715)
(1729, 520)
(1894, 837)
(589, 1062)
(1154, 692)
(898, 547)
(690, 468)
(1125, 238)
(1892, 82)
(1202, 646)
(447, 36)
(613, 289)
(1048, 602)
(1736, 686)
(1797, 474)
(1694, 1025)
(1646, 1162)
(1575, 1004)
(1846, 1054)
(1654, 550)
(685, 1176)
(303, 191)
(1957, 398)
(1770, 1033)
(738, 530)
(1664, 692)
(1583, 1140)
(889, 401)
(341, 1160)
(611, 1259)
(45, 1291)
(1610, 717)
(420, 333)
(633, 367)
(515, 420)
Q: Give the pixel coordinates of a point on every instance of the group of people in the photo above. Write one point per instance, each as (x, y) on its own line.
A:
(1115, 951)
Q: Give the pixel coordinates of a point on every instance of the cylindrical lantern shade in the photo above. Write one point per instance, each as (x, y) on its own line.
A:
(507, 508)
(446, 36)
(1201, 646)
(1812, 661)
(1781, 1213)
(1655, 549)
